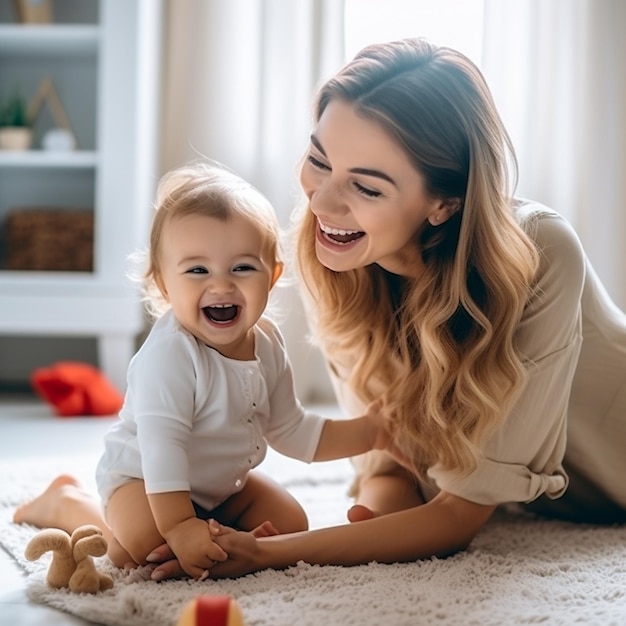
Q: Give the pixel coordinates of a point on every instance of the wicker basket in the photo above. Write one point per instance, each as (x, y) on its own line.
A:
(49, 239)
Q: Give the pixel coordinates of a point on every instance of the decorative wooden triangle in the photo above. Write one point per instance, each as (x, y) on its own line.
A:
(46, 93)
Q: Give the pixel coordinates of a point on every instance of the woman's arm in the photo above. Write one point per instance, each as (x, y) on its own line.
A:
(445, 525)
(442, 527)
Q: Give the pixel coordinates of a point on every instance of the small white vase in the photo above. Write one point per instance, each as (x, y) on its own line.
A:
(15, 138)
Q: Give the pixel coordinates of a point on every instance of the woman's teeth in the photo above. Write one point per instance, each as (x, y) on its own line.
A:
(339, 235)
(337, 231)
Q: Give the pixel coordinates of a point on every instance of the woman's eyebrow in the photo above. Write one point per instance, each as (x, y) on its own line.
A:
(316, 142)
(365, 171)
(369, 172)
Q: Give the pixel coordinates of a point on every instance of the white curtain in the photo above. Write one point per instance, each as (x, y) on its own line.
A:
(557, 69)
(239, 86)
(241, 75)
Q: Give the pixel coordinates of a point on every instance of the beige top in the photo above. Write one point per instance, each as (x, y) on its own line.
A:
(574, 340)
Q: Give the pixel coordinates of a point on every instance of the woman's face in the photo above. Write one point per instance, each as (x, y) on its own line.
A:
(369, 200)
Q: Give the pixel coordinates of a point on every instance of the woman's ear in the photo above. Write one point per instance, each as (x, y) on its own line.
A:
(444, 210)
(277, 273)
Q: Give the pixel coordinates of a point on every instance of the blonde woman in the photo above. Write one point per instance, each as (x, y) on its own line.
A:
(477, 316)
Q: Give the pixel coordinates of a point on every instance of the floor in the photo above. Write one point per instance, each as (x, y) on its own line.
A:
(28, 428)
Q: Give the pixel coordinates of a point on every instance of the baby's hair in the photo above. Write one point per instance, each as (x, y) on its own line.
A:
(204, 188)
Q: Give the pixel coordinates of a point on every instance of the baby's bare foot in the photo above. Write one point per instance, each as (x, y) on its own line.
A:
(266, 529)
(40, 511)
(360, 513)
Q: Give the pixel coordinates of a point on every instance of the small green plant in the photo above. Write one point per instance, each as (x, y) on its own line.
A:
(14, 112)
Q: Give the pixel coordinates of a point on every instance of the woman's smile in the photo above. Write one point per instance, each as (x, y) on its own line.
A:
(339, 235)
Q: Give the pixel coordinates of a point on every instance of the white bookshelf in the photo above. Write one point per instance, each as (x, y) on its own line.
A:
(104, 58)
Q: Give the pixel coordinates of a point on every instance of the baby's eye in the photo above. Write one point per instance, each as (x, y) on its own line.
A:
(316, 163)
(244, 268)
(366, 191)
(197, 270)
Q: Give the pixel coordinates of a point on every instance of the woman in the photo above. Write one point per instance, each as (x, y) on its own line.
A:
(476, 315)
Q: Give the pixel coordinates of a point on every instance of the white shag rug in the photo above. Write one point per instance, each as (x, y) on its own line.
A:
(518, 570)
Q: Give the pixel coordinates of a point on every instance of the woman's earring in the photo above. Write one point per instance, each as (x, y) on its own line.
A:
(435, 220)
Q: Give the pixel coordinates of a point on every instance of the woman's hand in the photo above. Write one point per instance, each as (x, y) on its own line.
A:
(243, 554)
(168, 565)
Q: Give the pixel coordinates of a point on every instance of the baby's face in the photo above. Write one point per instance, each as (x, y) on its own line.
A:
(217, 279)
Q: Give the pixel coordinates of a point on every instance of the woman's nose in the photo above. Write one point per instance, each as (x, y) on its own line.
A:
(328, 200)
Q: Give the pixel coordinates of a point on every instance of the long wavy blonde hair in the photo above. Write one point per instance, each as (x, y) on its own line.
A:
(442, 348)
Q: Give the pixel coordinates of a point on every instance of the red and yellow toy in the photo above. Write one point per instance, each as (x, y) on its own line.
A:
(208, 610)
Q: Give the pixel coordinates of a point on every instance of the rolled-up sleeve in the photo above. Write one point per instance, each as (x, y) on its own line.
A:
(523, 459)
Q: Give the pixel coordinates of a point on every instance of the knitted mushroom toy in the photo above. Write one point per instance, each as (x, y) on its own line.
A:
(72, 563)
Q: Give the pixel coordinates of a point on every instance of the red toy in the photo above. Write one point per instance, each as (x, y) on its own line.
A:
(74, 388)
(208, 610)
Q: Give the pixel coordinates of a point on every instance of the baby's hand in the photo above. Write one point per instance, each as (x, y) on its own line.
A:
(192, 543)
(168, 566)
(385, 429)
(380, 423)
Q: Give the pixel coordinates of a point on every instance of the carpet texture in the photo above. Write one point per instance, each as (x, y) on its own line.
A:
(518, 570)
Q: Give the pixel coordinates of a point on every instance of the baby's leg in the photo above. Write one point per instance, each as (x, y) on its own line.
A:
(381, 494)
(262, 499)
(132, 525)
(65, 505)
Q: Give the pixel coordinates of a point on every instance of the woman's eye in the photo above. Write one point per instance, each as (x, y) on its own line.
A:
(366, 191)
(316, 163)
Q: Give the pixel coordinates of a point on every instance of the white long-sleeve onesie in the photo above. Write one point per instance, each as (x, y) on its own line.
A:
(194, 420)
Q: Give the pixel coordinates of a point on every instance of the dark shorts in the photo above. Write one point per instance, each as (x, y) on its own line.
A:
(200, 512)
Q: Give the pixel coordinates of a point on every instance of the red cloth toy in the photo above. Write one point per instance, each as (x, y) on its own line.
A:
(74, 388)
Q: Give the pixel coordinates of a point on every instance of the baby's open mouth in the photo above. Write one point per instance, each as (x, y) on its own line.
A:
(337, 235)
(221, 313)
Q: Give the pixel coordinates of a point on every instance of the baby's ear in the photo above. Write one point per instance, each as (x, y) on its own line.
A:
(278, 270)
(158, 281)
